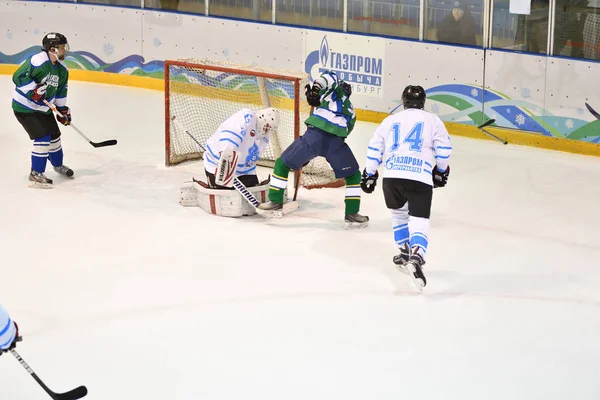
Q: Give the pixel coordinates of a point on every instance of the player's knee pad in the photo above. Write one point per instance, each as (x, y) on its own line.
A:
(222, 202)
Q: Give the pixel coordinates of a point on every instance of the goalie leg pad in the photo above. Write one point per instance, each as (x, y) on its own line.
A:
(227, 203)
(188, 194)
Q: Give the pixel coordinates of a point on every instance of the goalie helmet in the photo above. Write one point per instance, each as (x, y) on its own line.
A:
(413, 97)
(267, 121)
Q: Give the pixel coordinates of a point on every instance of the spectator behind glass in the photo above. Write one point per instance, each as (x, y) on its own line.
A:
(458, 27)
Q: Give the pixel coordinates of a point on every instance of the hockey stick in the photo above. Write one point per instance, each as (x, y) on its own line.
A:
(110, 142)
(74, 394)
(487, 123)
(592, 111)
(239, 186)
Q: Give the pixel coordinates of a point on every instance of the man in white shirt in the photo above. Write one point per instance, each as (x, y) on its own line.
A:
(414, 148)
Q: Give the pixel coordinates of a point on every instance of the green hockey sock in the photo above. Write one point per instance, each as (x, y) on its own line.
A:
(279, 182)
(353, 193)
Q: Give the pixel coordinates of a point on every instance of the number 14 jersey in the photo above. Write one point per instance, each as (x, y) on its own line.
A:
(410, 144)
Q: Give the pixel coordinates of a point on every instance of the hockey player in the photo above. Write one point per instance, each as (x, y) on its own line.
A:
(9, 332)
(43, 76)
(232, 152)
(414, 147)
(328, 126)
(243, 137)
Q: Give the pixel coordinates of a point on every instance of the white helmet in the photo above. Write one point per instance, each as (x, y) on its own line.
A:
(267, 121)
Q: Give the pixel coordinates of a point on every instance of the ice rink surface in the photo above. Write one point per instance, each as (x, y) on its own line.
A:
(118, 287)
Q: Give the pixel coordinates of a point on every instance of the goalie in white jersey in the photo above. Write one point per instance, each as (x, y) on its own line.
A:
(9, 331)
(232, 152)
(414, 148)
(246, 135)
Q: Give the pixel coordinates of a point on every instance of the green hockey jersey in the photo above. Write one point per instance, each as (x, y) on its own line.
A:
(38, 69)
(336, 114)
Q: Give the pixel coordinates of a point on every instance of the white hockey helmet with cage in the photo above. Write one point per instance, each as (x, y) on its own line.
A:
(267, 121)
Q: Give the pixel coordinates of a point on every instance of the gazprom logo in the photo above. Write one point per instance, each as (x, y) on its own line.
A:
(324, 51)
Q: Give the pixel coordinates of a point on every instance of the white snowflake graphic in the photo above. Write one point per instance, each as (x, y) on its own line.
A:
(569, 124)
(109, 49)
(520, 119)
(156, 42)
(474, 92)
(526, 93)
(435, 108)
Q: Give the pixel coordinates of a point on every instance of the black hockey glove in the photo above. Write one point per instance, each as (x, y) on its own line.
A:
(440, 178)
(346, 88)
(368, 183)
(312, 96)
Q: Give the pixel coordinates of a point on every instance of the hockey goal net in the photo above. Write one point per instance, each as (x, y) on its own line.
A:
(201, 94)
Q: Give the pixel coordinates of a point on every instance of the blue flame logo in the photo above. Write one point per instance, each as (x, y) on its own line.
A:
(324, 52)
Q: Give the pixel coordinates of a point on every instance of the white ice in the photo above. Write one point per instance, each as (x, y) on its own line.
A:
(118, 287)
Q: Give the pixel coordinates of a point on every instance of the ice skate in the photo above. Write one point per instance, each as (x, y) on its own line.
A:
(39, 181)
(355, 221)
(270, 210)
(414, 267)
(401, 259)
(64, 171)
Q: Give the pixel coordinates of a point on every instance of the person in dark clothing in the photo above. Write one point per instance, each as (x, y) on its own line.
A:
(458, 26)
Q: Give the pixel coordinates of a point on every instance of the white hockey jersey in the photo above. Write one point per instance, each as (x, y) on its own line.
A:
(7, 330)
(240, 132)
(410, 144)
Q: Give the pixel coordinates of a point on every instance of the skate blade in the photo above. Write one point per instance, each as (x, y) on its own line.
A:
(411, 269)
(356, 225)
(40, 185)
(401, 268)
(270, 214)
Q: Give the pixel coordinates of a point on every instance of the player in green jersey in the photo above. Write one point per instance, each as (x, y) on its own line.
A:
(329, 124)
(44, 77)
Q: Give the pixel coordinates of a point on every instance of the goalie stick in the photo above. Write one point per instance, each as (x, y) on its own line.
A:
(488, 123)
(239, 186)
(74, 394)
(110, 142)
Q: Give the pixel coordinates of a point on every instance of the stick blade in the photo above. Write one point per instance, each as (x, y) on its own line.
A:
(74, 394)
(111, 142)
(486, 123)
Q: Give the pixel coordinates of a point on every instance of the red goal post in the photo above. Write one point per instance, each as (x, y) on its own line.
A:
(203, 93)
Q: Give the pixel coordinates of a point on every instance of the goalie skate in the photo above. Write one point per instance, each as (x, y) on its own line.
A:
(38, 180)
